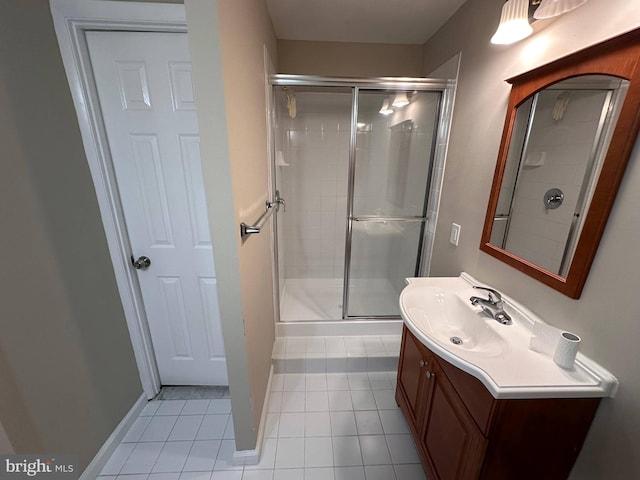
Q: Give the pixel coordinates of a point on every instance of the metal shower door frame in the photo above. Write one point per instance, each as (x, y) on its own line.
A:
(357, 85)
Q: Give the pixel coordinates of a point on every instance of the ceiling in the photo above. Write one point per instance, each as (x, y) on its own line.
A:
(360, 21)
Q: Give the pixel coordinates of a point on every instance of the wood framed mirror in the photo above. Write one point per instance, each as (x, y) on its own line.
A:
(570, 128)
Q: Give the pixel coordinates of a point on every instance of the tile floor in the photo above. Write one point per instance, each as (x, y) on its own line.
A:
(320, 426)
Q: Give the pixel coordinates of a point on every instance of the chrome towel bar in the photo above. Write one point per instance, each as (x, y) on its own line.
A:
(271, 207)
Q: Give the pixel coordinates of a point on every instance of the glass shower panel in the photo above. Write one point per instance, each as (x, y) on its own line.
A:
(392, 169)
(313, 128)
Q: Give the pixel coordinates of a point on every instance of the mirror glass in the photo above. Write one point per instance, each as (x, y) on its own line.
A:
(558, 144)
(569, 131)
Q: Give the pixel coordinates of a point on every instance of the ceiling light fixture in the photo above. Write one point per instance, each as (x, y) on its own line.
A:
(553, 8)
(400, 100)
(514, 23)
(386, 109)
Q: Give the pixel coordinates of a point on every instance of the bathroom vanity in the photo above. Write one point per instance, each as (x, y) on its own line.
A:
(489, 407)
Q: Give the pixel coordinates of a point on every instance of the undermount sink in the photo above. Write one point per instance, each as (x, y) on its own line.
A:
(452, 321)
(438, 312)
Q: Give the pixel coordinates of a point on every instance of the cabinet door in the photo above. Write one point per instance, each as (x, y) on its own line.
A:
(453, 443)
(413, 362)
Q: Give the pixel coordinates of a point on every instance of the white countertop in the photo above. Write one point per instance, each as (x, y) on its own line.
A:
(510, 369)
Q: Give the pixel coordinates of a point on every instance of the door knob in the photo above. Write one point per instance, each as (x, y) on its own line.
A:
(142, 263)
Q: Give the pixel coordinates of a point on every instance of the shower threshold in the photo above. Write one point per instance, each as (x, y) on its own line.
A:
(320, 299)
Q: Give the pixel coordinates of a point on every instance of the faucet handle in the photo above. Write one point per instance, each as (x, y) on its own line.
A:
(494, 295)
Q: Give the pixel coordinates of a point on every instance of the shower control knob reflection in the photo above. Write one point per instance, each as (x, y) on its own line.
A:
(142, 263)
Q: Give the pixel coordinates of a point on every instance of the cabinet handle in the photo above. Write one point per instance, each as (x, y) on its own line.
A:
(430, 374)
(422, 363)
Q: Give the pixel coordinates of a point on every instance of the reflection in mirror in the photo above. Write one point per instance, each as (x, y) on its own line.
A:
(559, 141)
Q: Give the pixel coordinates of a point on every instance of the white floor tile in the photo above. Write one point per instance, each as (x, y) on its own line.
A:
(137, 476)
(413, 471)
(294, 382)
(374, 450)
(402, 449)
(219, 406)
(195, 407)
(296, 345)
(137, 429)
(385, 399)
(319, 474)
(335, 345)
(368, 422)
(340, 400)
(381, 472)
(272, 424)
(363, 400)
(212, 427)
(171, 407)
(142, 458)
(159, 429)
(277, 382)
(393, 422)
(195, 475)
(258, 475)
(172, 457)
(317, 424)
(351, 473)
(293, 402)
(229, 432)
(380, 380)
(337, 381)
(163, 476)
(290, 453)
(224, 461)
(346, 451)
(186, 427)
(117, 459)
(316, 402)
(275, 402)
(343, 424)
(316, 382)
(106, 477)
(151, 408)
(315, 345)
(202, 456)
(227, 475)
(288, 474)
(291, 425)
(359, 381)
(318, 452)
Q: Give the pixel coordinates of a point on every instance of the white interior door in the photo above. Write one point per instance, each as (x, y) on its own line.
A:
(146, 95)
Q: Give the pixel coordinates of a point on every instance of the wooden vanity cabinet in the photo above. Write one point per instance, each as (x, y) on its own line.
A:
(463, 433)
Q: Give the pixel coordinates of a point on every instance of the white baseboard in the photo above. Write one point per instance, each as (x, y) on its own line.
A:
(252, 457)
(97, 464)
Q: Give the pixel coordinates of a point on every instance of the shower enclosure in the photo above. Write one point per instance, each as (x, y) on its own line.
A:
(354, 161)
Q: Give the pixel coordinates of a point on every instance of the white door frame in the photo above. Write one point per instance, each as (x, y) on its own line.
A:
(71, 19)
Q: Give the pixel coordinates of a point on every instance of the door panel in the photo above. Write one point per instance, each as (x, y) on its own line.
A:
(392, 163)
(146, 95)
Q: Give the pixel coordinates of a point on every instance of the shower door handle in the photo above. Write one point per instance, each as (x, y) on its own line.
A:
(280, 201)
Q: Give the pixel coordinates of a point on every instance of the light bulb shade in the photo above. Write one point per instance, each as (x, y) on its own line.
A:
(385, 109)
(514, 23)
(553, 8)
(400, 100)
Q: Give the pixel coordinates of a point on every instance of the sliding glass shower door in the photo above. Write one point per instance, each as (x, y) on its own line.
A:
(391, 168)
(355, 177)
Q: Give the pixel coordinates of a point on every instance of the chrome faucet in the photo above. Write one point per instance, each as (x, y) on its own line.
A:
(493, 305)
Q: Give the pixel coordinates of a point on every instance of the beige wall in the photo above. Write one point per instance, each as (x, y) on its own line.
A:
(606, 316)
(227, 52)
(67, 371)
(349, 59)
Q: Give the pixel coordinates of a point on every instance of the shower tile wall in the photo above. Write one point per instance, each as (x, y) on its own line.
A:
(315, 145)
